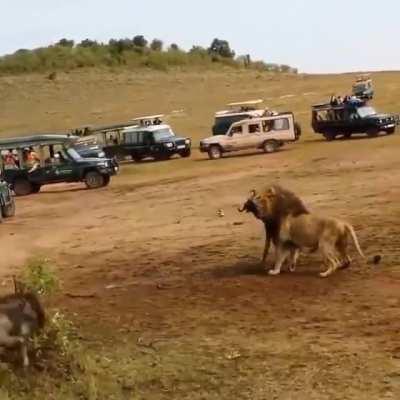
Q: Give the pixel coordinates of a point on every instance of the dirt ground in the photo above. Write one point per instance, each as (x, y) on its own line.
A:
(179, 297)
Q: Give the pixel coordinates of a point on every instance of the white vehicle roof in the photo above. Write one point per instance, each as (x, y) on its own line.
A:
(260, 119)
(149, 128)
(148, 119)
(227, 113)
(246, 103)
(243, 107)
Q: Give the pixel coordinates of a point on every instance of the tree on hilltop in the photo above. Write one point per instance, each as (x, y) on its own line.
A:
(139, 41)
(221, 48)
(65, 43)
(156, 45)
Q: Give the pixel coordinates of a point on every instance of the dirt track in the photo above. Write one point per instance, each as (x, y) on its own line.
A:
(157, 252)
(165, 269)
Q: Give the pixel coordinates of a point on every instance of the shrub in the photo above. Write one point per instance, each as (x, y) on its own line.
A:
(39, 277)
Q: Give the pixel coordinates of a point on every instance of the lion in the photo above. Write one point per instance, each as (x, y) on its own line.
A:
(293, 228)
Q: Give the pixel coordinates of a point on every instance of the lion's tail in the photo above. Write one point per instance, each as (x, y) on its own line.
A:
(353, 235)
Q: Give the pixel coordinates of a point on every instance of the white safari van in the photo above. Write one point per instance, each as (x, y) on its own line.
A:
(265, 133)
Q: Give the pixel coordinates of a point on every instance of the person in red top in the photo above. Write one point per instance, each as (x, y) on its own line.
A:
(10, 162)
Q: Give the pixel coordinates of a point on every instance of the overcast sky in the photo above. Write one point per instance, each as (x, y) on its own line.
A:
(312, 35)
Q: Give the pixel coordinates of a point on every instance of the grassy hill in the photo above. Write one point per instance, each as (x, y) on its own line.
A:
(33, 103)
(133, 53)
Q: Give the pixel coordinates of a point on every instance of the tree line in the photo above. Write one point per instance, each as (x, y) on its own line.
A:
(134, 53)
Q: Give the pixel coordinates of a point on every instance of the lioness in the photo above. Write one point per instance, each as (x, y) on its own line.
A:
(295, 229)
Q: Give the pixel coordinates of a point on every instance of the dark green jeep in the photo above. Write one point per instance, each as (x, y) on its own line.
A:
(7, 202)
(351, 118)
(28, 163)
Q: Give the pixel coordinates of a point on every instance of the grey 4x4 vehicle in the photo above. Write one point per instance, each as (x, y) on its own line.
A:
(350, 118)
(7, 202)
(46, 159)
(265, 133)
(363, 88)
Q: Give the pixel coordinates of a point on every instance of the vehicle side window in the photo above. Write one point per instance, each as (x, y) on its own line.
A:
(281, 124)
(236, 130)
(321, 115)
(254, 128)
(131, 137)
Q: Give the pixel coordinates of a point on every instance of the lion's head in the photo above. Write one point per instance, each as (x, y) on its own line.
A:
(273, 204)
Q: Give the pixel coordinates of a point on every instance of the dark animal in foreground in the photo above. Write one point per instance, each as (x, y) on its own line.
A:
(21, 316)
(291, 227)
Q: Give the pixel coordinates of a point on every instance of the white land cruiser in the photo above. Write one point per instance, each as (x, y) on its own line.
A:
(265, 133)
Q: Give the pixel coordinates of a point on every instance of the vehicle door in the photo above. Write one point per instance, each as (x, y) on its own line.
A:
(234, 138)
(59, 168)
(279, 129)
(253, 137)
(355, 122)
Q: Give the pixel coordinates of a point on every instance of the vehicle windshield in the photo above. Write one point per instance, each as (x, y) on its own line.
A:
(73, 154)
(366, 111)
(360, 87)
(163, 134)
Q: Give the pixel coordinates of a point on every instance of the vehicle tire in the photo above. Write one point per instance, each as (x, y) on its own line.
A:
(214, 152)
(107, 180)
(94, 180)
(36, 187)
(329, 136)
(270, 146)
(347, 135)
(22, 187)
(185, 153)
(9, 211)
(372, 133)
(391, 131)
(297, 131)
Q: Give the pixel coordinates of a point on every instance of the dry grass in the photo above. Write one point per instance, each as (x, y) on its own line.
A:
(227, 332)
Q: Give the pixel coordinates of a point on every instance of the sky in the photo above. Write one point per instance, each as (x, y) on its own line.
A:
(316, 36)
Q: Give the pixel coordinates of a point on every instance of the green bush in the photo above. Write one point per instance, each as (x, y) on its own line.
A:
(133, 53)
(39, 277)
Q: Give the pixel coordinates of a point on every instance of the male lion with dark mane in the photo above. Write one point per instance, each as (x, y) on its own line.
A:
(292, 228)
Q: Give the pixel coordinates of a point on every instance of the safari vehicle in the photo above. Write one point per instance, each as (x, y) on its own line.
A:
(348, 119)
(363, 88)
(237, 112)
(265, 133)
(47, 159)
(7, 202)
(145, 137)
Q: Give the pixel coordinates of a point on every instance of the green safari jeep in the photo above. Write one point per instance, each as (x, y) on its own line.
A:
(7, 202)
(28, 163)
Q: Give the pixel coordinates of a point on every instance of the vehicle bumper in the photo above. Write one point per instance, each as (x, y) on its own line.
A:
(387, 126)
(204, 147)
(182, 148)
(109, 170)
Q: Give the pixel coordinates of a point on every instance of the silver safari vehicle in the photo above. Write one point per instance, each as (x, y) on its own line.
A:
(264, 133)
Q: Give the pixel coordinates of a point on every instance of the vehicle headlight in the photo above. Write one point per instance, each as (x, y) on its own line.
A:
(102, 154)
(169, 145)
(102, 164)
(187, 141)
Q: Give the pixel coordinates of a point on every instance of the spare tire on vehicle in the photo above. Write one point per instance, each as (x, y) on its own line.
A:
(297, 130)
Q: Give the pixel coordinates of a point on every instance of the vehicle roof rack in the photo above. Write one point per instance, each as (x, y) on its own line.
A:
(245, 105)
(149, 120)
(363, 77)
(37, 140)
